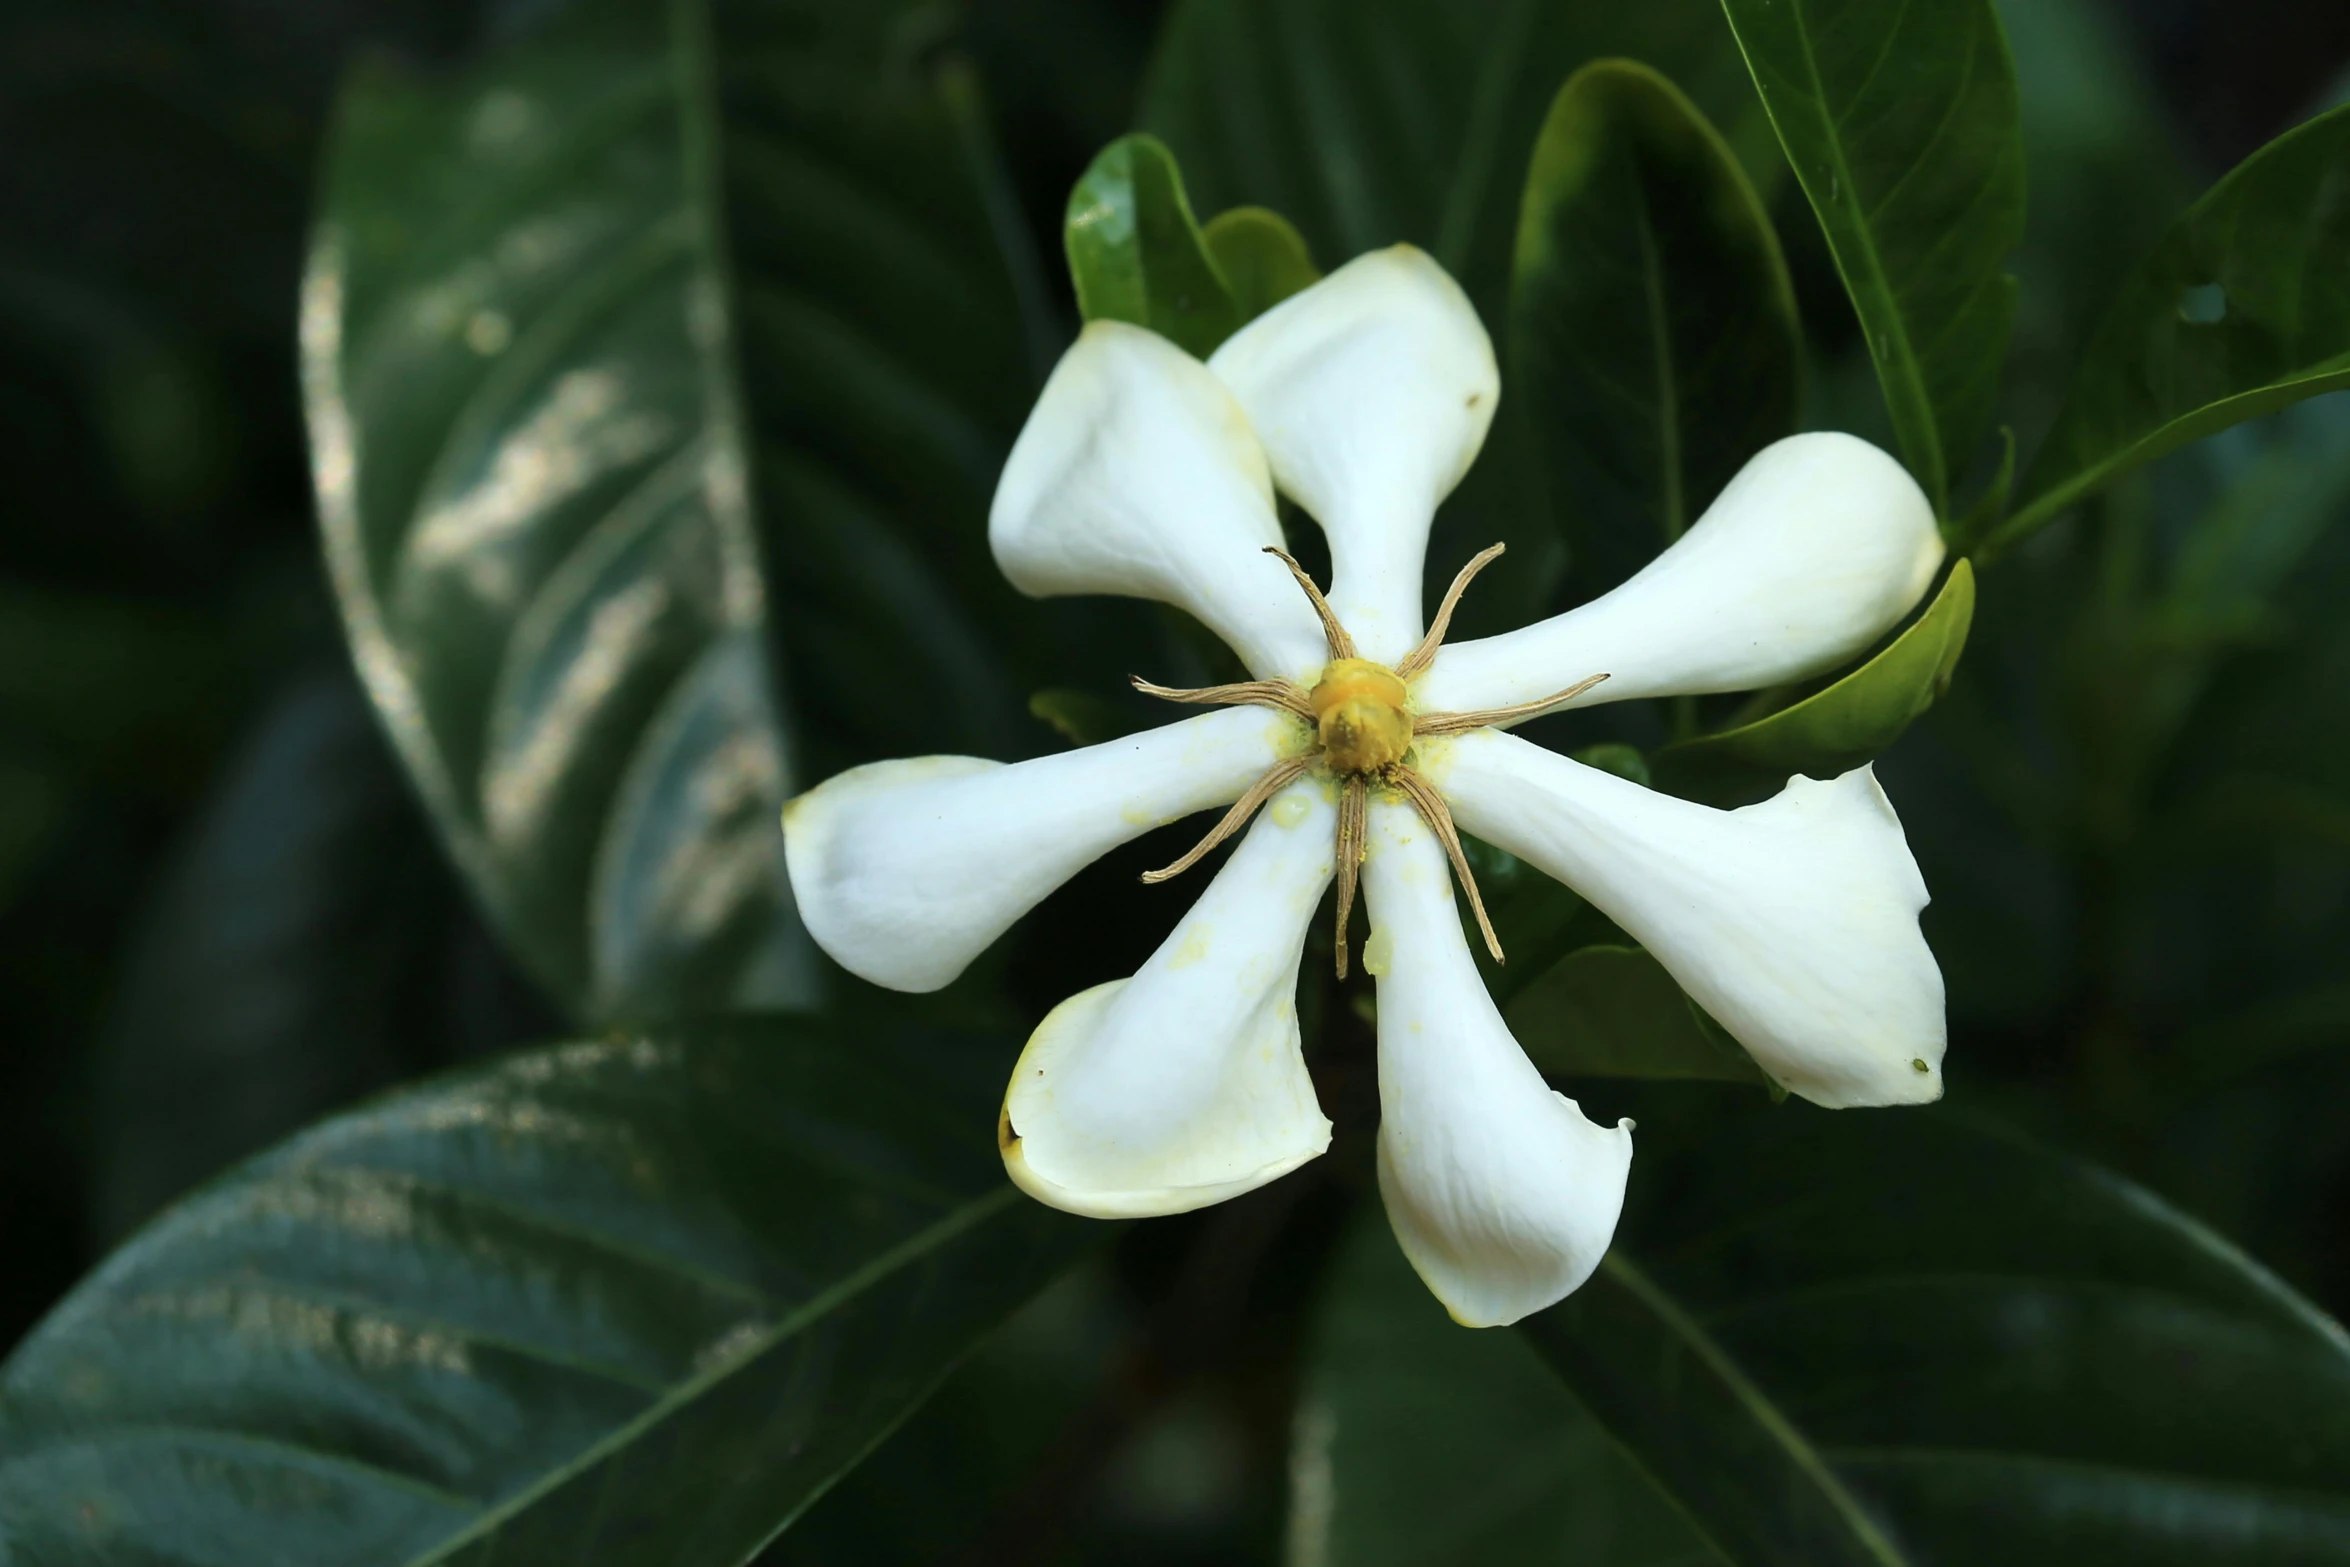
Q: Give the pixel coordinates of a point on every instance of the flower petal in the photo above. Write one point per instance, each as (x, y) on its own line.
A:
(1371, 392)
(1812, 552)
(1136, 474)
(1186, 1084)
(1793, 922)
(905, 871)
(1501, 1193)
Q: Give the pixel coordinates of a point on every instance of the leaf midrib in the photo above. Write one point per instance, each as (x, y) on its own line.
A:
(913, 1248)
(1848, 202)
(1767, 1416)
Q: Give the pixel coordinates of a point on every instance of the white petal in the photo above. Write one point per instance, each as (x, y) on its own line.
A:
(1793, 922)
(1186, 1084)
(905, 871)
(1136, 474)
(1371, 392)
(1500, 1192)
(1812, 552)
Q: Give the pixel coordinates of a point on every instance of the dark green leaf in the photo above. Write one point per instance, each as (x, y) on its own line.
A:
(1841, 727)
(1136, 253)
(1262, 256)
(634, 1300)
(1614, 1012)
(1079, 717)
(1419, 1444)
(534, 489)
(1652, 324)
(2239, 311)
(1885, 1338)
(307, 946)
(1902, 123)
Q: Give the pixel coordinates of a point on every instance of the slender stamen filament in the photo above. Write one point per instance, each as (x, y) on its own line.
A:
(1263, 693)
(1462, 723)
(1439, 818)
(1341, 644)
(1425, 654)
(1242, 809)
(1353, 813)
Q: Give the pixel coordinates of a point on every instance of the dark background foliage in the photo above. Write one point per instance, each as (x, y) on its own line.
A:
(224, 913)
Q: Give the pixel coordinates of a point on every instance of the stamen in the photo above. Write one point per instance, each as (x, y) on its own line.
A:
(1341, 645)
(1353, 806)
(1425, 654)
(1439, 817)
(1263, 693)
(1461, 723)
(1242, 809)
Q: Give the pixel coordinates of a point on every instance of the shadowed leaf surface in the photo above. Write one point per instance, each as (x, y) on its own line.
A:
(1883, 1337)
(634, 1300)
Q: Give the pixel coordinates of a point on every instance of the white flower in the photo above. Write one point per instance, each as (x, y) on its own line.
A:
(1359, 742)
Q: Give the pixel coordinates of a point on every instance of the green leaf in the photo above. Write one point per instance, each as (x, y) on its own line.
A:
(1887, 1338)
(1417, 1443)
(1607, 1011)
(1903, 126)
(1136, 253)
(1262, 257)
(533, 483)
(2239, 311)
(1837, 729)
(633, 1300)
(1652, 323)
(305, 947)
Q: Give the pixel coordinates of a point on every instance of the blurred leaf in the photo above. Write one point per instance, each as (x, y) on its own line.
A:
(1902, 123)
(1419, 1444)
(634, 1300)
(1614, 1012)
(1881, 1337)
(1614, 756)
(1136, 254)
(2239, 311)
(31, 801)
(1262, 256)
(1652, 324)
(1079, 717)
(533, 486)
(307, 947)
(1839, 728)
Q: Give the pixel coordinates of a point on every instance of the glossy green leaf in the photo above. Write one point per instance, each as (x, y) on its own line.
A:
(533, 483)
(1887, 1339)
(1837, 729)
(1903, 126)
(1652, 325)
(1262, 257)
(1415, 121)
(1608, 1011)
(1418, 1444)
(2239, 311)
(634, 1300)
(1136, 253)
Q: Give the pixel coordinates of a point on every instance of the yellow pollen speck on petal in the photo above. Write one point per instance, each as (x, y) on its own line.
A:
(1377, 952)
(1291, 809)
(1196, 942)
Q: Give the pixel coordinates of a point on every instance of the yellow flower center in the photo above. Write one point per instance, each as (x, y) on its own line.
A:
(1362, 734)
(1359, 711)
